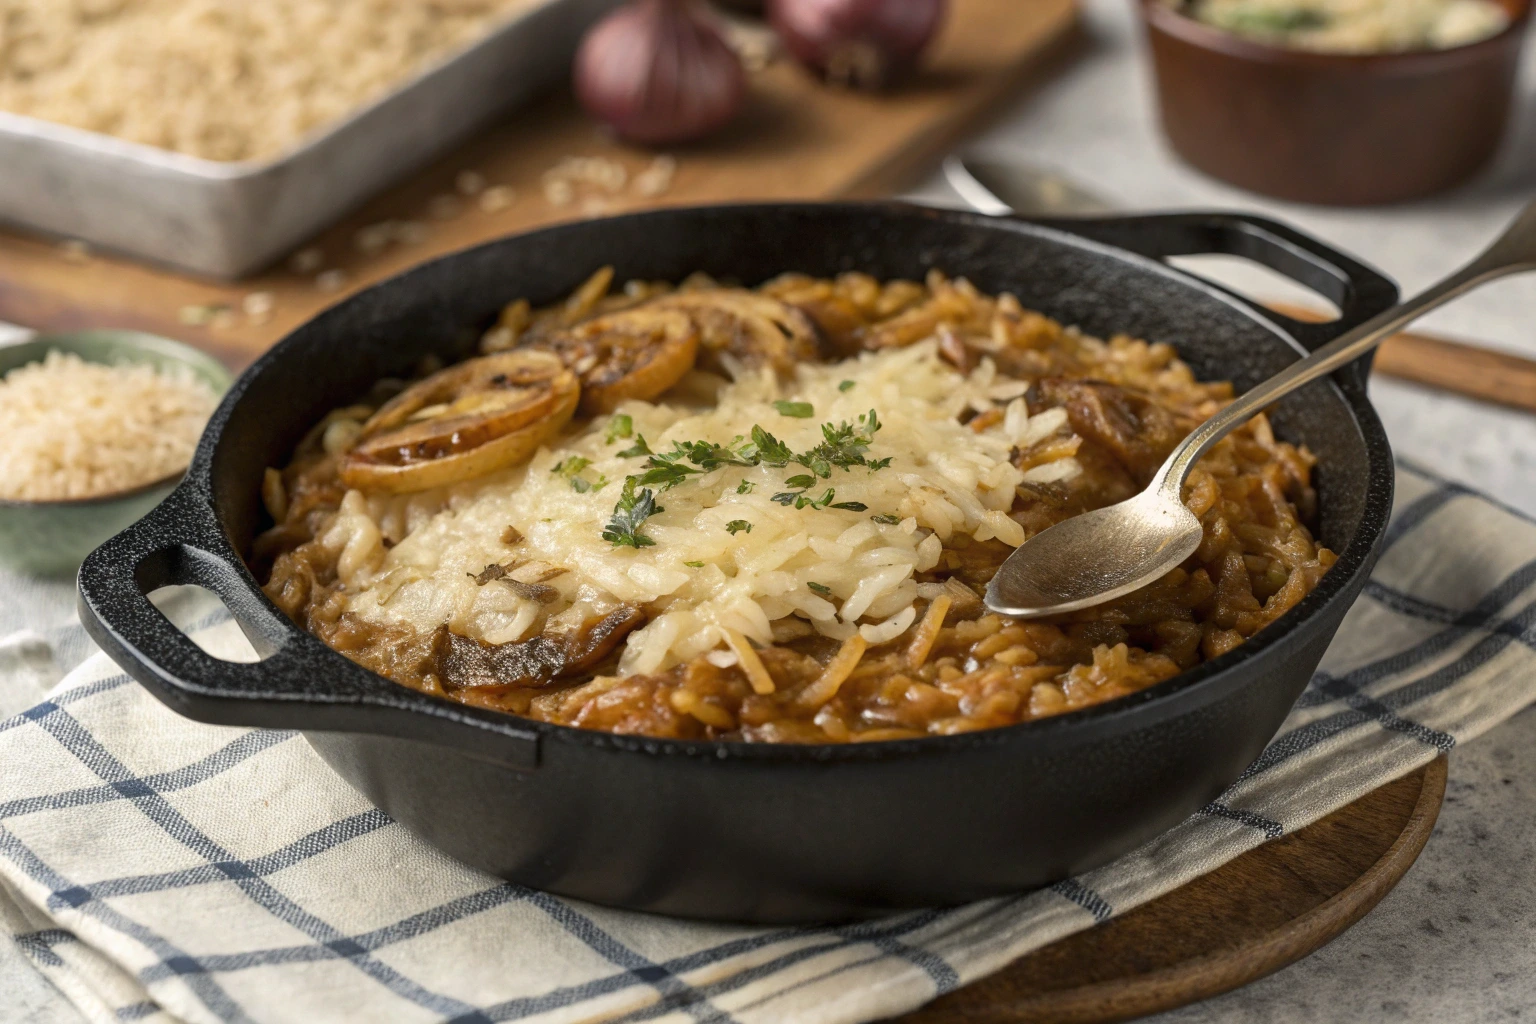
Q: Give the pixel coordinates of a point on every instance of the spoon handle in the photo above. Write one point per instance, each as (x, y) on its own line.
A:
(1512, 252)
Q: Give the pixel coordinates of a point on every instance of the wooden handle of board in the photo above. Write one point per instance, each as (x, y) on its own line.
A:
(1463, 369)
(1453, 366)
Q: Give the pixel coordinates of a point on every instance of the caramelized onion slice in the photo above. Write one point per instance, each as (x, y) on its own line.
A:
(466, 421)
(637, 353)
(754, 328)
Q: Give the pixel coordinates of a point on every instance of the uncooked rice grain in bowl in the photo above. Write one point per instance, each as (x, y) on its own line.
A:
(75, 429)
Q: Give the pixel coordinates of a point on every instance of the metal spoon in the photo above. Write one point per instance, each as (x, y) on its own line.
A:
(1100, 555)
(998, 187)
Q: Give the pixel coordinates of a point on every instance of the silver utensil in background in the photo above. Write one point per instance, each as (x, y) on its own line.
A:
(998, 187)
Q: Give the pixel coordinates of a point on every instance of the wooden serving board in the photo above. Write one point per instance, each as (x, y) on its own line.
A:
(1252, 916)
(797, 139)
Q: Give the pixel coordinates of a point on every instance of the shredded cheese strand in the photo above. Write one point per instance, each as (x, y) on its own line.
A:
(751, 664)
(928, 631)
(837, 671)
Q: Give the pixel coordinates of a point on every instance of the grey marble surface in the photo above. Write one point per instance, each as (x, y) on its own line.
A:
(1456, 940)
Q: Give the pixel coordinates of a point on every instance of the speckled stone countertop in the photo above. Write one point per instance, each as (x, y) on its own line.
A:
(1456, 940)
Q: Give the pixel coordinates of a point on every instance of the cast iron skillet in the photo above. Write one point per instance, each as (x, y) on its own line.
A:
(763, 832)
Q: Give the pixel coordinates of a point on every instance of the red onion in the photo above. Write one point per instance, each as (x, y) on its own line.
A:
(866, 44)
(659, 73)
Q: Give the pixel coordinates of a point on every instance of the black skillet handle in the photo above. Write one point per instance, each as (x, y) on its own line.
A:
(297, 684)
(1359, 291)
(178, 542)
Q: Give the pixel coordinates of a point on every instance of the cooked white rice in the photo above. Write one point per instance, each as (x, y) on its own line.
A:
(944, 478)
(75, 429)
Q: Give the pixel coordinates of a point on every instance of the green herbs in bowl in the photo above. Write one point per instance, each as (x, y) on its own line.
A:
(1353, 26)
(99, 427)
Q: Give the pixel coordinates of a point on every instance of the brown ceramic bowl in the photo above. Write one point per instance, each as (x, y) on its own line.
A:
(1328, 128)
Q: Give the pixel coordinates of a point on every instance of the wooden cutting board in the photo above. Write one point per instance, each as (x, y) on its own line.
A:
(1250, 917)
(796, 140)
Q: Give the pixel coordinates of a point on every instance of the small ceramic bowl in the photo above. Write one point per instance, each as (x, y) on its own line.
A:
(1339, 129)
(50, 538)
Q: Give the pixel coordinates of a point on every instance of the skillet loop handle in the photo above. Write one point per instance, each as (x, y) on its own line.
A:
(178, 542)
(1359, 291)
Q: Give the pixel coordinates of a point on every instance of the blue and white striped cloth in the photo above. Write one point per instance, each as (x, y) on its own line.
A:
(156, 869)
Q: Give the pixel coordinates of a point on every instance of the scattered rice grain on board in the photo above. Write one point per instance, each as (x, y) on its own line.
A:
(656, 178)
(306, 261)
(497, 198)
(469, 183)
(444, 207)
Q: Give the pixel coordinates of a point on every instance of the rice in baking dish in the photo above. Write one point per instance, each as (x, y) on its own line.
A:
(222, 79)
(791, 549)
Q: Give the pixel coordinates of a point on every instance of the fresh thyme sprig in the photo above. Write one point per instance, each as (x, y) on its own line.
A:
(843, 446)
(802, 499)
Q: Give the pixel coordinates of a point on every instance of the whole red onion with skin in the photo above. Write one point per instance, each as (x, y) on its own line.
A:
(866, 44)
(659, 73)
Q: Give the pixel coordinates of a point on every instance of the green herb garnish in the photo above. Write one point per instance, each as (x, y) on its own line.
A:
(636, 450)
(707, 455)
(821, 588)
(571, 469)
(620, 426)
(665, 474)
(800, 499)
(798, 410)
(767, 449)
(668, 469)
(735, 526)
(887, 518)
(845, 446)
(629, 515)
(845, 385)
(694, 565)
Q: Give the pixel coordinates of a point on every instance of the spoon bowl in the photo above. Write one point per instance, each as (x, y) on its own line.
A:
(1096, 557)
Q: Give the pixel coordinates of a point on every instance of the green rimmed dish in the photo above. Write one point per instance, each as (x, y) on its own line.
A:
(50, 538)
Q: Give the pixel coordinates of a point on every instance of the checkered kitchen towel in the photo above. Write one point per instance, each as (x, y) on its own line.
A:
(157, 869)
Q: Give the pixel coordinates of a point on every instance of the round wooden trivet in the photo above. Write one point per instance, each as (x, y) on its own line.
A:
(1264, 910)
